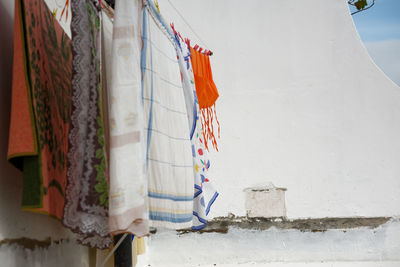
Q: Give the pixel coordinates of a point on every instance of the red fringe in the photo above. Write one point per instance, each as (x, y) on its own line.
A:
(207, 114)
(207, 121)
(65, 9)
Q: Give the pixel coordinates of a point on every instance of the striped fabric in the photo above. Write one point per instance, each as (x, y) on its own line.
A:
(169, 155)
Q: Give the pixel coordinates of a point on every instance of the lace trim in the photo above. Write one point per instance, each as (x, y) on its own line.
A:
(89, 220)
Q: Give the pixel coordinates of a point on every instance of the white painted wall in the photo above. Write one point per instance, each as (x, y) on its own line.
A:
(302, 105)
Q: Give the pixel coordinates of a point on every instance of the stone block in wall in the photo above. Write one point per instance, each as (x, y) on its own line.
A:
(265, 201)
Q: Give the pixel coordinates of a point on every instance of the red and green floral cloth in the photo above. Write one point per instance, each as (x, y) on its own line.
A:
(56, 127)
(41, 107)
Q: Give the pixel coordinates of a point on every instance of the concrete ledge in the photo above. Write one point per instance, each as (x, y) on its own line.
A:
(304, 241)
(313, 264)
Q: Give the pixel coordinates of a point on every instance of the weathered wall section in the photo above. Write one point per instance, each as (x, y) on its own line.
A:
(372, 247)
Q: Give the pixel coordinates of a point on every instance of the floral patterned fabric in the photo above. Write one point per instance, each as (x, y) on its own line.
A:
(204, 192)
(22, 138)
(46, 51)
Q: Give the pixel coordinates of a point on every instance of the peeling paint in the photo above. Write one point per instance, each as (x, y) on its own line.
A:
(222, 224)
(31, 244)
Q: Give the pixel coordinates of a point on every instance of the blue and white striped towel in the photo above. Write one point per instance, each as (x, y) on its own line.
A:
(169, 154)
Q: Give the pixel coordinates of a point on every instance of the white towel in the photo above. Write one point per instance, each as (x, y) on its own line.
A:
(128, 187)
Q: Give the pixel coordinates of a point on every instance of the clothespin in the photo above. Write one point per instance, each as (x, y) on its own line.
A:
(173, 27)
(54, 12)
(157, 6)
(200, 49)
(196, 47)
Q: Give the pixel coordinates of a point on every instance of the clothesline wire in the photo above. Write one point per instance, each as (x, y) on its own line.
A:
(158, 24)
(184, 20)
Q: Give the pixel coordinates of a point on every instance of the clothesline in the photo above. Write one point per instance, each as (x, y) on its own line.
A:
(159, 20)
(184, 20)
(154, 12)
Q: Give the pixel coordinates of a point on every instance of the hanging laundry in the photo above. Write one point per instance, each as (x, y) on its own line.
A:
(204, 192)
(207, 94)
(22, 139)
(128, 185)
(169, 155)
(140, 245)
(86, 205)
(138, 248)
(42, 88)
(106, 51)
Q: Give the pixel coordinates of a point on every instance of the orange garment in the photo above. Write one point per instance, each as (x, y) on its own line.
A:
(206, 90)
(207, 94)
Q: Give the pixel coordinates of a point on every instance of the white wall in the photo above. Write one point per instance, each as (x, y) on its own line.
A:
(302, 105)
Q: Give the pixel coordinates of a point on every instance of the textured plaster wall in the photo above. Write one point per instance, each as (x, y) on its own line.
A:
(301, 105)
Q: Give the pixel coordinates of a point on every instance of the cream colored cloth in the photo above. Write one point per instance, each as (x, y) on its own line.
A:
(128, 186)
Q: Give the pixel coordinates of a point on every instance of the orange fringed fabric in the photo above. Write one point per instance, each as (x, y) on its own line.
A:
(207, 94)
(65, 9)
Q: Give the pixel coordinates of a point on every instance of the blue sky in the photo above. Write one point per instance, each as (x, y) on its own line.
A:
(379, 29)
(380, 22)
